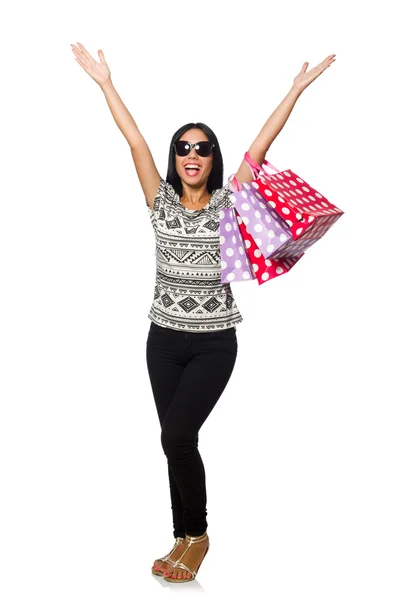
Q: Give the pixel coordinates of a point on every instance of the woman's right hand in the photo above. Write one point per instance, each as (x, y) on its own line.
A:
(99, 72)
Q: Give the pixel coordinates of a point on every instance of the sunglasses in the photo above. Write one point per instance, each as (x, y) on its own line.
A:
(202, 148)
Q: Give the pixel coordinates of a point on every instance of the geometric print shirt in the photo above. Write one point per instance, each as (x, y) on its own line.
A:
(188, 293)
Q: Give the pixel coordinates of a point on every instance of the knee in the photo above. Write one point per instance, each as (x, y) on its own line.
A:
(176, 445)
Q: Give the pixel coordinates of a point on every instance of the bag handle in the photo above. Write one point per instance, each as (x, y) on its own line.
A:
(256, 169)
(234, 183)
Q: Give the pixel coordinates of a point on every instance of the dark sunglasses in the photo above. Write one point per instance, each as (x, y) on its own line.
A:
(202, 148)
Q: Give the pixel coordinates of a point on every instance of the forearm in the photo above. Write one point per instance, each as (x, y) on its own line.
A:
(121, 115)
(274, 125)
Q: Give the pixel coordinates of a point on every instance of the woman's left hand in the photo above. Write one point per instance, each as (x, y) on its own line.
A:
(303, 79)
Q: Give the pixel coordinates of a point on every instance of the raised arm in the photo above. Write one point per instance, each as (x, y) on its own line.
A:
(279, 117)
(147, 172)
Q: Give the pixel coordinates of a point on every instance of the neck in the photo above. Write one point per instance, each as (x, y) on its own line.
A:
(193, 196)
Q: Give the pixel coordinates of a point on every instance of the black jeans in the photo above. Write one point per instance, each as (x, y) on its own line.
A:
(188, 372)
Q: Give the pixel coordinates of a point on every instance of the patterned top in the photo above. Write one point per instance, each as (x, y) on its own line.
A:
(188, 293)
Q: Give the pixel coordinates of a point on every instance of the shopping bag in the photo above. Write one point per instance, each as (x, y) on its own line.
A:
(308, 214)
(262, 267)
(266, 227)
(235, 265)
(265, 268)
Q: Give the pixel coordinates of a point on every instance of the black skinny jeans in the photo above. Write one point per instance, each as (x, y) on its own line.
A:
(188, 372)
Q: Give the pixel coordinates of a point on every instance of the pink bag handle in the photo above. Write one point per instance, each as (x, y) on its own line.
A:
(234, 183)
(256, 169)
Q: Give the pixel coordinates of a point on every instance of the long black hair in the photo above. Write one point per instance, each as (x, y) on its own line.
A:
(215, 179)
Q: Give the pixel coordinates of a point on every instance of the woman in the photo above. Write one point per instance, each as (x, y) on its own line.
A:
(192, 344)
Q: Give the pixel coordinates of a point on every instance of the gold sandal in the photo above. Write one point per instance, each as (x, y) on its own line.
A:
(166, 558)
(179, 565)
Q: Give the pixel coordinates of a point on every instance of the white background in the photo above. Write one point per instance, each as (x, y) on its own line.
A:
(300, 451)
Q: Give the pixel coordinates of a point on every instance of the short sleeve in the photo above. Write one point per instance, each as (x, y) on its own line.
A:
(222, 196)
(164, 198)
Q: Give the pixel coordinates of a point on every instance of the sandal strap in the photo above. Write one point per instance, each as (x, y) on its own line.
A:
(191, 540)
(180, 565)
(166, 558)
(196, 539)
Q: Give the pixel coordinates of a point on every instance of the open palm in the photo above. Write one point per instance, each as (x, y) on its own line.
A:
(303, 79)
(99, 72)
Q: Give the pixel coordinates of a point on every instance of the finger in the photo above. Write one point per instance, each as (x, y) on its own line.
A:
(76, 50)
(329, 63)
(84, 51)
(81, 58)
(101, 56)
(324, 62)
(323, 65)
(81, 63)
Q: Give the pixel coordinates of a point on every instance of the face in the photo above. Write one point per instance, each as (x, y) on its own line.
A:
(194, 178)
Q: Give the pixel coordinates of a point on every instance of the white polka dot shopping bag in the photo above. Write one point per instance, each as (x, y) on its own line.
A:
(308, 214)
(235, 265)
(265, 268)
(241, 258)
(301, 216)
(264, 225)
(267, 230)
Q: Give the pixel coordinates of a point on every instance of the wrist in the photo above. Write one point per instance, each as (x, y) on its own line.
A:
(108, 84)
(295, 90)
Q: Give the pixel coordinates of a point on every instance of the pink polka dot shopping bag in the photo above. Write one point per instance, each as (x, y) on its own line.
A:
(279, 216)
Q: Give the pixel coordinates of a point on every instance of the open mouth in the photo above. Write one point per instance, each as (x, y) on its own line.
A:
(192, 170)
